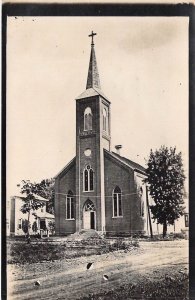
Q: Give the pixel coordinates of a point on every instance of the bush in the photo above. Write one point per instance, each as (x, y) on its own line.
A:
(180, 235)
(25, 226)
(34, 227)
(51, 225)
(126, 245)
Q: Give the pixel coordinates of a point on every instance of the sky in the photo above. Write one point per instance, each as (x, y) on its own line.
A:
(143, 68)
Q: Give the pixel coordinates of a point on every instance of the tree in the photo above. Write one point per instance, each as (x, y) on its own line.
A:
(45, 189)
(165, 178)
(30, 202)
(25, 226)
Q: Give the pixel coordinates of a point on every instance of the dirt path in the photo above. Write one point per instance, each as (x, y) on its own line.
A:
(70, 279)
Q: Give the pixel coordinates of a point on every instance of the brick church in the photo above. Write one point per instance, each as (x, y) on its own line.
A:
(99, 189)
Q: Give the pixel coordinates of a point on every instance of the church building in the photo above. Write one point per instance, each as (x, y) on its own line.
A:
(99, 189)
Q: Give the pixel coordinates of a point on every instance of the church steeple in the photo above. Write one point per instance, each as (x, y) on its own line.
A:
(92, 137)
(93, 80)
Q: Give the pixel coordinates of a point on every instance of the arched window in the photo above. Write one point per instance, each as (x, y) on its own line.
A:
(88, 119)
(117, 202)
(88, 179)
(69, 206)
(89, 206)
(105, 120)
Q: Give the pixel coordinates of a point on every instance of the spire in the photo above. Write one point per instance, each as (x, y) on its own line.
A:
(93, 75)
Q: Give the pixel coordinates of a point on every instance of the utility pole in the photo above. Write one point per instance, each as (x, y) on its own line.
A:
(150, 223)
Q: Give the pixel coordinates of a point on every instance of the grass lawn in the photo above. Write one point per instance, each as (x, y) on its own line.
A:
(20, 252)
(155, 270)
(166, 289)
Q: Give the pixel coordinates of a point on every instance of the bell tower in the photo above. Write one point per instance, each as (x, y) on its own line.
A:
(92, 137)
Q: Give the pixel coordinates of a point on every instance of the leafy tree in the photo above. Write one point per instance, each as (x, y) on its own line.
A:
(166, 185)
(45, 189)
(30, 202)
(25, 226)
(34, 227)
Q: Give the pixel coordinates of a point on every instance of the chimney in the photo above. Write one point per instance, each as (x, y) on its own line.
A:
(118, 147)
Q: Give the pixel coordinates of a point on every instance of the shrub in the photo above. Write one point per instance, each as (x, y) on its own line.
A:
(25, 226)
(169, 237)
(180, 235)
(51, 225)
(126, 245)
(34, 227)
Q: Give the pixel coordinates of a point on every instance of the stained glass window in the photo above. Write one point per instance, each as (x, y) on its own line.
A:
(69, 206)
(117, 202)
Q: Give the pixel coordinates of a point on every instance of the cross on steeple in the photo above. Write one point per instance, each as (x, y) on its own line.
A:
(92, 35)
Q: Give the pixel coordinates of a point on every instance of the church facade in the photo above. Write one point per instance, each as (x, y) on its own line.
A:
(99, 189)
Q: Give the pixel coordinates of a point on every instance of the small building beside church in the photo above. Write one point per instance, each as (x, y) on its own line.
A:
(15, 217)
(99, 189)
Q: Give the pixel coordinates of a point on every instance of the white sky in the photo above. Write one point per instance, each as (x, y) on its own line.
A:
(143, 66)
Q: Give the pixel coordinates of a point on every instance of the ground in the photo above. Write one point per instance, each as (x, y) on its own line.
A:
(69, 279)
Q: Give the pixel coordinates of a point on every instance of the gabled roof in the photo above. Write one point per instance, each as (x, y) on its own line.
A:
(23, 196)
(44, 215)
(127, 162)
(66, 167)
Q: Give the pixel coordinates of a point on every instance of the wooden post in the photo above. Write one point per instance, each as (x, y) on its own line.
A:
(150, 223)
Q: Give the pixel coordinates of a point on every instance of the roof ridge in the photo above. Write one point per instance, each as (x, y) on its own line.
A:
(24, 195)
(111, 153)
(66, 166)
(128, 162)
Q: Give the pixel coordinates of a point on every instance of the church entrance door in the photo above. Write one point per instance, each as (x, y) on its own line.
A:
(92, 219)
(86, 219)
(89, 215)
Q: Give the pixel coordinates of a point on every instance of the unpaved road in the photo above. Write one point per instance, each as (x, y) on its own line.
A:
(69, 279)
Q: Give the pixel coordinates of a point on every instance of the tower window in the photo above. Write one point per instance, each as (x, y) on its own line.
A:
(117, 202)
(69, 206)
(105, 120)
(88, 119)
(88, 179)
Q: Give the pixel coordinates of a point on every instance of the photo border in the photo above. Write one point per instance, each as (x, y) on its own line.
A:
(114, 9)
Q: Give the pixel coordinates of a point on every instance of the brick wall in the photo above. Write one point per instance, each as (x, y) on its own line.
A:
(64, 183)
(118, 175)
(86, 140)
